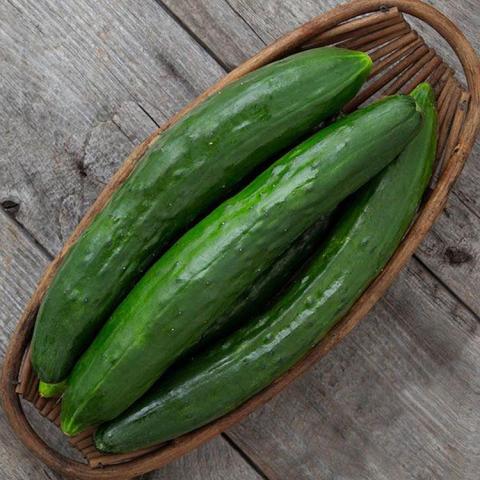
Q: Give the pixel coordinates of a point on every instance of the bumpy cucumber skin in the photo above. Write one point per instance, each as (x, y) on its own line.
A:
(360, 244)
(189, 168)
(267, 287)
(201, 277)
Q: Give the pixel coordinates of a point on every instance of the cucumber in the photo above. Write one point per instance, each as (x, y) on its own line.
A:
(267, 287)
(49, 390)
(204, 274)
(189, 169)
(359, 245)
(257, 299)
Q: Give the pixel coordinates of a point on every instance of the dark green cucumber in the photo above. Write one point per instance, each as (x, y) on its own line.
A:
(257, 299)
(360, 244)
(267, 287)
(189, 169)
(202, 276)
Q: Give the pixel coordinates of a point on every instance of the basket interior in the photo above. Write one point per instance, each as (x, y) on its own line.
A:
(402, 60)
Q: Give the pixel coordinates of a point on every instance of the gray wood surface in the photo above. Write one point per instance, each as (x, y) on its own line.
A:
(398, 399)
(83, 81)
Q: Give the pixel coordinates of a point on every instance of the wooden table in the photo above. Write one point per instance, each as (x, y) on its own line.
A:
(81, 83)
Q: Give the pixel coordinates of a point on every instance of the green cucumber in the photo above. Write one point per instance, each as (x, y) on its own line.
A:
(184, 174)
(203, 275)
(257, 299)
(219, 380)
(266, 288)
(49, 390)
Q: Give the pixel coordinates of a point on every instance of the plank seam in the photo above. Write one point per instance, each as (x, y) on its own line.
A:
(134, 99)
(142, 108)
(242, 18)
(194, 36)
(465, 204)
(245, 457)
(26, 232)
(447, 287)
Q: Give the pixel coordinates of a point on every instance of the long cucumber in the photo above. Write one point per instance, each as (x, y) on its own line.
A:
(204, 274)
(257, 299)
(185, 173)
(267, 287)
(221, 379)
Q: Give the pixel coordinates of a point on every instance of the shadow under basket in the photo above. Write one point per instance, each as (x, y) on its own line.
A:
(401, 60)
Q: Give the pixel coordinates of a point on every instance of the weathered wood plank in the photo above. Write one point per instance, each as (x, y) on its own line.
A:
(70, 118)
(214, 461)
(16, 462)
(21, 264)
(77, 79)
(452, 251)
(399, 398)
(272, 18)
(231, 39)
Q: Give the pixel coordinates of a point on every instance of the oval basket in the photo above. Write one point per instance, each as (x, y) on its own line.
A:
(401, 61)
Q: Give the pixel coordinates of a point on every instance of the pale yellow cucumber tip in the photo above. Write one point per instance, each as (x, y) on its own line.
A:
(367, 58)
(69, 428)
(50, 390)
(425, 89)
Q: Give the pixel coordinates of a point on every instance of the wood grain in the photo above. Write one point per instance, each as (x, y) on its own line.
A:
(77, 80)
(75, 84)
(452, 251)
(21, 264)
(214, 461)
(398, 399)
(219, 27)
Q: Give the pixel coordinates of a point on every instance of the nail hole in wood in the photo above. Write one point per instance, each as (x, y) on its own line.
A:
(11, 207)
(81, 168)
(457, 256)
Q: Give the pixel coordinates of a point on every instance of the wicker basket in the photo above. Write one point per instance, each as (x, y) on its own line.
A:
(401, 60)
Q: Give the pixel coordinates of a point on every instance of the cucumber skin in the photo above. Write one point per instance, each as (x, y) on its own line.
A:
(189, 168)
(50, 390)
(235, 369)
(266, 288)
(177, 300)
